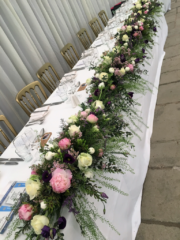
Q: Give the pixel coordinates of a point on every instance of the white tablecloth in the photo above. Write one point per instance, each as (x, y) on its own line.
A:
(122, 211)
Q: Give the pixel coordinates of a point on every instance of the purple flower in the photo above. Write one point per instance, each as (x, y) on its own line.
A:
(123, 59)
(109, 103)
(144, 56)
(68, 158)
(52, 233)
(45, 231)
(90, 100)
(92, 113)
(97, 92)
(46, 176)
(62, 222)
(137, 60)
(146, 41)
(104, 195)
(131, 94)
(154, 29)
(143, 50)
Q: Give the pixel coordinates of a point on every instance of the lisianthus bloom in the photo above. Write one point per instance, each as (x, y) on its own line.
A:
(38, 222)
(73, 129)
(122, 71)
(143, 50)
(104, 195)
(125, 38)
(91, 150)
(131, 67)
(98, 104)
(64, 143)
(92, 118)
(25, 212)
(135, 34)
(146, 12)
(136, 27)
(84, 160)
(68, 158)
(73, 118)
(89, 174)
(137, 60)
(100, 152)
(127, 69)
(49, 155)
(88, 81)
(154, 29)
(101, 85)
(107, 60)
(33, 172)
(97, 92)
(45, 232)
(141, 28)
(123, 28)
(32, 188)
(146, 41)
(129, 28)
(112, 87)
(87, 110)
(62, 222)
(46, 176)
(131, 94)
(111, 70)
(84, 114)
(61, 180)
(43, 205)
(95, 128)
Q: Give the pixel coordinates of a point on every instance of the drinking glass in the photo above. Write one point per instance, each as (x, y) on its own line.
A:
(62, 91)
(22, 148)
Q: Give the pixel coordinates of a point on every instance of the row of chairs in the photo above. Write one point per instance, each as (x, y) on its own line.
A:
(28, 97)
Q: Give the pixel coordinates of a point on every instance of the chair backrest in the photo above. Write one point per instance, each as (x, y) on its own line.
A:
(46, 77)
(84, 38)
(95, 26)
(7, 123)
(104, 18)
(70, 55)
(28, 105)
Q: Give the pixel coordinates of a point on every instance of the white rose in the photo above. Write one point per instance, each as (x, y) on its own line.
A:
(73, 129)
(125, 38)
(98, 104)
(95, 129)
(107, 60)
(84, 160)
(32, 188)
(133, 63)
(43, 205)
(38, 222)
(129, 29)
(127, 69)
(91, 150)
(101, 85)
(103, 77)
(97, 75)
(73, 118)
(138, 6)
(49, 155)
(111, 70)
(69, 121)
(50, 146)
(88, 110)
(89, 174)
(88, 81)
(136, 27)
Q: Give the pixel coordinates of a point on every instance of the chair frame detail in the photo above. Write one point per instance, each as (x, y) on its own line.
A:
(68, 56)
(22, 93)
(95, 26)
(84, 38)
(104, 18)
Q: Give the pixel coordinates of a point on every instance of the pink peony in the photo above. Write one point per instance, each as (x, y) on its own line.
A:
(135, 34)
(131, 67)
(141, 28)
(64, 143)
(123, 28)
(92, 118)
(61, 180)
(100, 153)
(112, 87)
(33, 172)
(146, 12)
(25, 212)
(84, 114)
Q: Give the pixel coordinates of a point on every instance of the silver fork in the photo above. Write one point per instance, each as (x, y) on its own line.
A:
(35, 122)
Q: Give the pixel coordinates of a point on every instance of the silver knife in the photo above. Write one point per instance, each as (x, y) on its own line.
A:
(51, 104)
(9, 163)
(11, 159)
(40, 111)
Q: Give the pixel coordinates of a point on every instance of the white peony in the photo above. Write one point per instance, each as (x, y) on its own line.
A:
(125, 38)
(127, 69)
(49, 155)
(89, 174)
(129, 29)
(88, 81)
(101, 85)
(111, 70)
(38, 222)
(107, 60)
(84, 160)
(43, 205)
(98, 104)
(91, 150)
(103, 76)
(87, 110)
(73, 129)
(32, 188)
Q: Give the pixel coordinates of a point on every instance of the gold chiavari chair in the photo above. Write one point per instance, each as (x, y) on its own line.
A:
(95, 26)
(84, 38)
(70, 55)
(46, 77)
(29, 105)
(7, 123)
(104, 18)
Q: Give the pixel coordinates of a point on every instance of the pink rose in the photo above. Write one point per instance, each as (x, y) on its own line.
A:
(135, 34)
(123, 28)
(141, 28)
(131, 67)
(64, 143)
(61, 180)
(112, 87)
(84, 114)
(92, 118)
(25, 212)
(145, 12)
(33, 172)
(100, 153)
(144, 5)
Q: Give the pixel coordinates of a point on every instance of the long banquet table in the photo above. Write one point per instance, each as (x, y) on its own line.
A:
(122, 211)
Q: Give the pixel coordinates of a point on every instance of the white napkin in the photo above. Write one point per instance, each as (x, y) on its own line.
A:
(79, 64)
(97, 42)
(74, 101)
(38, 115)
